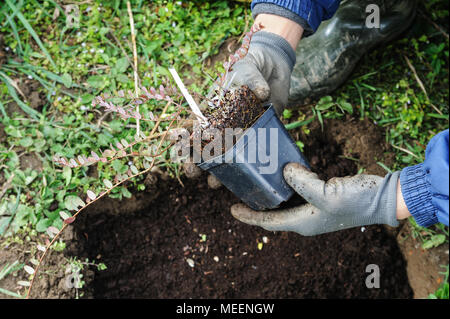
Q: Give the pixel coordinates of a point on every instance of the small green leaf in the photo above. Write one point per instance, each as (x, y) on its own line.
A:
(101, 266)
(96, 81)
(434, 241)
(287, 114)
(24, 283)
(122, 78)
(118, 166)
(67, 174)
(122, 65)
(126, 193)
(43, 224)
(91, 195)
(326, 99)
(86, 98)
(28, 269)
(300, 145)
(72, 202)
(13, 131)
(134, 169)
(10, 293)
(30, 178)
(107, 183)
(346, 107)
(124, 142)
(67, 80)
(26, 141)
(319, 117)
(64, 215)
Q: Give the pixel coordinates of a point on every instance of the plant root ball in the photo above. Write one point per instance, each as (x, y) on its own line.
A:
(213, 182)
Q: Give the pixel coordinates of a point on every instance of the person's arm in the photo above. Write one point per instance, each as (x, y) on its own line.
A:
(307, 13)
(288, 29)
(346, 202)
(425, 187)
(267, 67)
(401, 208)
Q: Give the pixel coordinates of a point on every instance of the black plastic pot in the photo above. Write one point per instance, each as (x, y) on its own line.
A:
(258, 184)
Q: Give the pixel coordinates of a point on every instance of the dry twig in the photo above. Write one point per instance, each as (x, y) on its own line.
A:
(133, 40)
(419, 81)
(6, 185)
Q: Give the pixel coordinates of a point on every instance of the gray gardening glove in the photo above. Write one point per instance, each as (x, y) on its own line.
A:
(266, 69)
(340, 203)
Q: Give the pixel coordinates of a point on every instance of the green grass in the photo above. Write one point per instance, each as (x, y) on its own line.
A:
(74, 64)
(410, 113)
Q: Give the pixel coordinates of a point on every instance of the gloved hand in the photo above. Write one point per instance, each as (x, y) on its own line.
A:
(340, 203)
(266, 69)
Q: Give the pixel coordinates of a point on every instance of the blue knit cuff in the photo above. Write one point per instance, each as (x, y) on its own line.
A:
(415, 191)
(308, 13)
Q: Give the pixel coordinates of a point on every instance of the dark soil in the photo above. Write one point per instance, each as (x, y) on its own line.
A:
(51, 282)
(344, 146)
(147, 249)
(34, 96)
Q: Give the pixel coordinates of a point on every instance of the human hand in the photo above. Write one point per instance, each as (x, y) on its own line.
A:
(267, 67)
(340, 203)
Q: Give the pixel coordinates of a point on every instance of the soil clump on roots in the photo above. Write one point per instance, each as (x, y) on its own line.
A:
(235, 108)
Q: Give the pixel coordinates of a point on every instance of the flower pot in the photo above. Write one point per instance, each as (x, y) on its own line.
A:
(257, 179)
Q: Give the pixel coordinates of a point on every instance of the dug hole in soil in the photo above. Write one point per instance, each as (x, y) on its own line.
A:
(146, 241)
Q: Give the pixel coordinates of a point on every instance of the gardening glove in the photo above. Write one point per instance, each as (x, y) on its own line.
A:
(340, 203)
(266, 69)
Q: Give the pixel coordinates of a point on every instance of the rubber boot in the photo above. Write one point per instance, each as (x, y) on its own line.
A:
(326, 58)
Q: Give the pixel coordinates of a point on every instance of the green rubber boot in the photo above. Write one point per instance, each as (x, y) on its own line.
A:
(326, 59)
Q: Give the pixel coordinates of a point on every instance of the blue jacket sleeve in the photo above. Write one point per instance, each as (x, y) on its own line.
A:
(425, 186)
(308, 13)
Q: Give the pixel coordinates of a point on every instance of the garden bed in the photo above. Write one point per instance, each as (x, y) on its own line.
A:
(151, 242)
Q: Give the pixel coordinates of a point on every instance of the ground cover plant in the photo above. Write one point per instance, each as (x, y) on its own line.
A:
(54, 62)
(101, 66)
